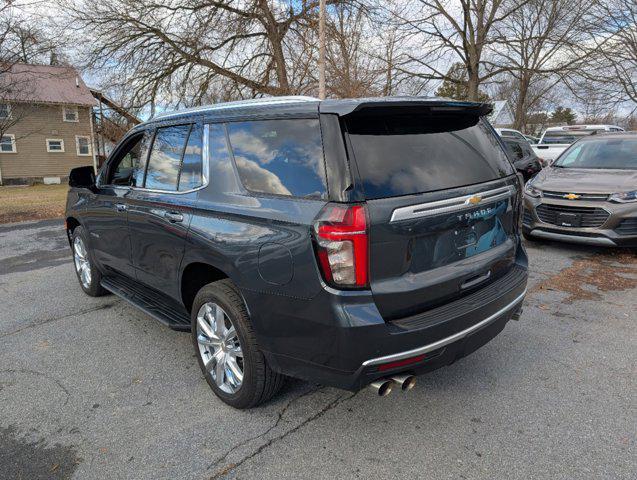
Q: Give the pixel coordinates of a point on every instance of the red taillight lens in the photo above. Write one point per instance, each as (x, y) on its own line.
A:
(341, 237)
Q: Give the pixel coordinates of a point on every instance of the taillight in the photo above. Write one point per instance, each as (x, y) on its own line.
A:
(341, 237)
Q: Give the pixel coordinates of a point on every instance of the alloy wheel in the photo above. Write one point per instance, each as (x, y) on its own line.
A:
(82, 263)
(219, 347)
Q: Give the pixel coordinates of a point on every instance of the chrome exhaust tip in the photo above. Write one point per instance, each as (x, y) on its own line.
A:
(406, 382)
(382, 387)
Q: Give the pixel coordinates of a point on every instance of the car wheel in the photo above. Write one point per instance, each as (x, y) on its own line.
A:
(87, 273)
(227, 349)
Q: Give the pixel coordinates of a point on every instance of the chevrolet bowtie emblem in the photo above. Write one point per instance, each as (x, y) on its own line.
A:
(571, 196)
(473, 200)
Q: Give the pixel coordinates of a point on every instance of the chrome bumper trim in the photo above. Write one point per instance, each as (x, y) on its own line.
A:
(599, 241)
(445, 341)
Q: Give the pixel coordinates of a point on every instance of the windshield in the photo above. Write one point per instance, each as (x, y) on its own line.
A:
(565, 136)
(609, 153)
(406, 154)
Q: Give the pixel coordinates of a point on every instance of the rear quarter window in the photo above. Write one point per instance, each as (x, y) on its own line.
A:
(406, 154)
(280, 157)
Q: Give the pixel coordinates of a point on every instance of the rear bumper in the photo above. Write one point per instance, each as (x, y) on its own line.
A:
(340, 339)
(618, 230)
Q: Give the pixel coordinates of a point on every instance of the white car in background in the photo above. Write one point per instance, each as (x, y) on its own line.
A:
(557, 139)
(510, 133)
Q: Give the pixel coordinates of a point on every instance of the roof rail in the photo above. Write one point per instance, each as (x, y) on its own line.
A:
(238, 104)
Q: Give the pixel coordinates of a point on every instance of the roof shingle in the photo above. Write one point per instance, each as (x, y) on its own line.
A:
(44, 84)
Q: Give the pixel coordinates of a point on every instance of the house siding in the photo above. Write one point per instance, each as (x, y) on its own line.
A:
(36, 123)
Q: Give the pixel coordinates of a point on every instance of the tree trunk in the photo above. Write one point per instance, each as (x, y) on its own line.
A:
(519, 122)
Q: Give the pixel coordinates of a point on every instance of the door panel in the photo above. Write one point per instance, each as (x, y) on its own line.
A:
(159, 224)
(108, 229)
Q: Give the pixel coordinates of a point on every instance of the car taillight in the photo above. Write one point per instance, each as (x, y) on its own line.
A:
(341, 238)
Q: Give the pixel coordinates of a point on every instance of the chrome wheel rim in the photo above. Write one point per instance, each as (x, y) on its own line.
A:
(82, 264)
(219, 347)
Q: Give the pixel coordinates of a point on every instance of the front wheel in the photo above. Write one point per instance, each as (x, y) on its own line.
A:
(87, 273)
(227, 350)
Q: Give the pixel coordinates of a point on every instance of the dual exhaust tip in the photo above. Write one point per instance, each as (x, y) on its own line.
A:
(384, 386)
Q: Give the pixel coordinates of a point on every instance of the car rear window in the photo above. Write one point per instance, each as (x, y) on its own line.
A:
(565, 137)
(406, 154)
(280, 157)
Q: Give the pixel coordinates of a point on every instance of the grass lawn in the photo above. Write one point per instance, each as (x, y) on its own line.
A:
(32, 203)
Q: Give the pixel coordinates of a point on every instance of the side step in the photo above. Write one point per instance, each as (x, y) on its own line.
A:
(172, 315)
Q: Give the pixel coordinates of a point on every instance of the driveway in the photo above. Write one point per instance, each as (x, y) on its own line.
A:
(92, 388)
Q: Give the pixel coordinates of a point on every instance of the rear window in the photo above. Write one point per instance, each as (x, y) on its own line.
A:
(405, 154)
(565, 137)
(280, 157)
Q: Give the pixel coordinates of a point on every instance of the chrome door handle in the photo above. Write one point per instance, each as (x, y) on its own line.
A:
(174, 217)
(121, 207)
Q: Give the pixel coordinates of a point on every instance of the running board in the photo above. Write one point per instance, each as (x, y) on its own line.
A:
(149, 302)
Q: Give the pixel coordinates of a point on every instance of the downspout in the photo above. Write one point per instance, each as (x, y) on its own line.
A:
(90, 116)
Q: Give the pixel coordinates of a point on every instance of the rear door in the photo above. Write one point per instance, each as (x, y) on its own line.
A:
(161, 208)
(442, 201)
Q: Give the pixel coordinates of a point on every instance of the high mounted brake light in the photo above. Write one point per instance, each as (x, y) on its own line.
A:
(341, 237)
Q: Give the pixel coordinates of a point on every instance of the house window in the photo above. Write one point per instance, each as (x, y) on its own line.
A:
(71, 115)
(7, 144)
(54, 145)
(5, 111)
(83, 146)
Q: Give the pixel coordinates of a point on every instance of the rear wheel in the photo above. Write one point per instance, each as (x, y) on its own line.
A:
(227, 349)
(87, 273)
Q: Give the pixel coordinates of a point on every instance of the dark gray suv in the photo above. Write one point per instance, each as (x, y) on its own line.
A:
(347, 242)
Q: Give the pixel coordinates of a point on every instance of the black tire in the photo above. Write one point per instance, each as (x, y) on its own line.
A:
(93, 288)
(528, 237)
(260, 383)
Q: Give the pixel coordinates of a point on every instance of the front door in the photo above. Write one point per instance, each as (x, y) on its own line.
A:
(109, 237)
(160, 211)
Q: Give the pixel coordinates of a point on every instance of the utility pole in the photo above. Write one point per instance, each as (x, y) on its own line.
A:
(321, 49)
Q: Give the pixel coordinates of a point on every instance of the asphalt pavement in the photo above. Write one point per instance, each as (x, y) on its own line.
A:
(92, 388)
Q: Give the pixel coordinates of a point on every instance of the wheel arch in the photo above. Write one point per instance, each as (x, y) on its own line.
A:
(197, 274)
(70, 224)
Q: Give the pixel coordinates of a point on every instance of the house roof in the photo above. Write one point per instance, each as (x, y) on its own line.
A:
(44, 84)
(502, 114)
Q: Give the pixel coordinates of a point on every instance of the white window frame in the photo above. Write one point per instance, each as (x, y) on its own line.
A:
(71, 109)
(8, 117)
(48, 149)
(13, 147)
(77, 146)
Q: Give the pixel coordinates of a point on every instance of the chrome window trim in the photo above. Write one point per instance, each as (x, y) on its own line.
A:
(445, 341)
(450, 204)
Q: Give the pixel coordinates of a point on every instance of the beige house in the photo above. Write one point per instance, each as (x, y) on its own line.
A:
(46, 124)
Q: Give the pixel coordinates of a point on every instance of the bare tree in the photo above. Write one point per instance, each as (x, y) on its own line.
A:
(616, 40)
(153, 47)
(459, 31)
(541, 44)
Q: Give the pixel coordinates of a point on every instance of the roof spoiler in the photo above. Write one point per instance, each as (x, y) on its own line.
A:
(406, 105)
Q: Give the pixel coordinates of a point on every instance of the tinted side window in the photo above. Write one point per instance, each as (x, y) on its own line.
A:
(165, 157)
(128, 168)
(222, 173)
(283, 157)
(515, 149)
(191, 176)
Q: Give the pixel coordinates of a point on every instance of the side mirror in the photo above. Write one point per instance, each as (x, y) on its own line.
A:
(82, 177)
